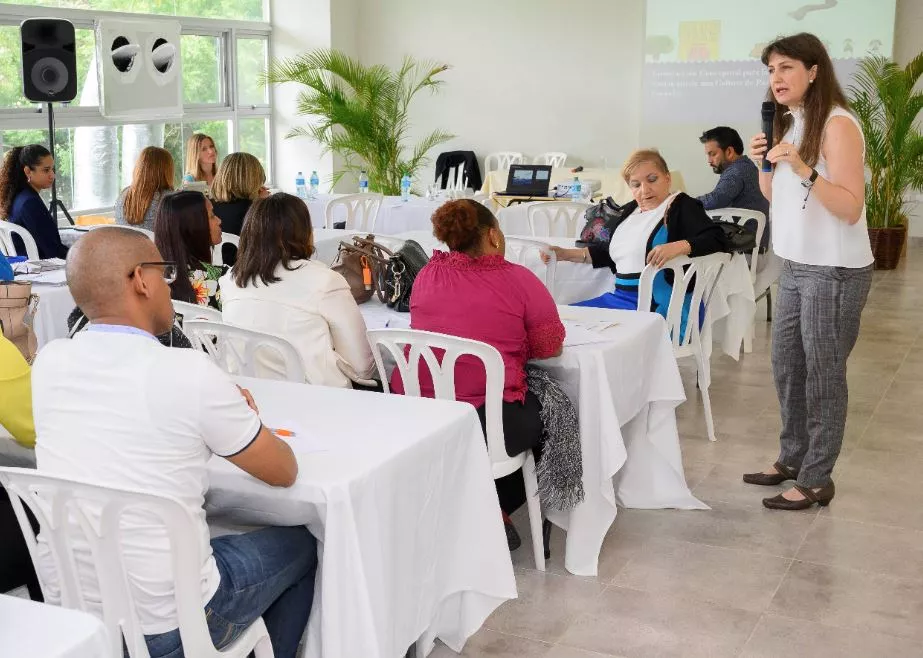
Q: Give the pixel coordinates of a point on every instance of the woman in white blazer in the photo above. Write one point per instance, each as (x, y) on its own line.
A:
(277, 289)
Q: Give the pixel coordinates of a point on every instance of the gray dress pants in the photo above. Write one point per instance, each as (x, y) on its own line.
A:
(815, 326)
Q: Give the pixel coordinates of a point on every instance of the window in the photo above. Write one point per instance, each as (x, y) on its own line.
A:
(251, 64)
(223, 58)
(245, 10)
(202, 69)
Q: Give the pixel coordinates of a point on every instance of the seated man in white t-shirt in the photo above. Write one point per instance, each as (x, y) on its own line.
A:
(115, 407)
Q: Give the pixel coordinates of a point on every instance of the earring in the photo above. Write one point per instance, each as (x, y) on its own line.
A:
(811, 81)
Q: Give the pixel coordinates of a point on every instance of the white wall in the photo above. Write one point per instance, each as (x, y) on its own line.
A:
(297, 27)
(510, 84)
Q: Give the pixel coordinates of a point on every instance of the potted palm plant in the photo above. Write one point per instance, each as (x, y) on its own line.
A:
(362, 112)
(884, 101)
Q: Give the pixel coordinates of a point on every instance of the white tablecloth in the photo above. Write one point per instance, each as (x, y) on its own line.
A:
(54, 305)
(37, 630)
(394, 215)
(400, 494)
(626, 391)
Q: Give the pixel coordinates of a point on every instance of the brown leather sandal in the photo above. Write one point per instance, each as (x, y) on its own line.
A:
(822, 498)
(782, 474)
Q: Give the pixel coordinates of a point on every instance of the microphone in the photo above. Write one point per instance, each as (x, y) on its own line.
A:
(769, 114)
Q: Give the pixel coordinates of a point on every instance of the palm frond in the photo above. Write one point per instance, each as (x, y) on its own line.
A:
(361, 112)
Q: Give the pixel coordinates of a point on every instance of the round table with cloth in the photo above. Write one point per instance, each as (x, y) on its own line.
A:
(400, 495)
(394, 215)
(619, 370)
(35, 629)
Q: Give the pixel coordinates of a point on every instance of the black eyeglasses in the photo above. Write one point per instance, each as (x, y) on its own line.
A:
(169, 269)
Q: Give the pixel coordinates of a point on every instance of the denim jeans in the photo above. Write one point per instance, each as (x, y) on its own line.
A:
(267, 573)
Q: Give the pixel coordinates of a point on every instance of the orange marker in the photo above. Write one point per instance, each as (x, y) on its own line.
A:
(282, 432)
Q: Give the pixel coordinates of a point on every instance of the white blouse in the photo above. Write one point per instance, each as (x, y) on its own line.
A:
(312, 308)
(814, 235)
(628, 247)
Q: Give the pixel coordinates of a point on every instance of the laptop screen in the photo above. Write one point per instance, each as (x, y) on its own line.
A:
(529, 179)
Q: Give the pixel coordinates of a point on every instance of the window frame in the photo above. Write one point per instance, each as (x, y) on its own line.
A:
(228, 108)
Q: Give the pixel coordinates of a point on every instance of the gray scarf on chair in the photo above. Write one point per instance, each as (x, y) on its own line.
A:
(560, 470)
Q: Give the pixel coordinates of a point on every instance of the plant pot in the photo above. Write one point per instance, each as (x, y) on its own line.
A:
(887, 246)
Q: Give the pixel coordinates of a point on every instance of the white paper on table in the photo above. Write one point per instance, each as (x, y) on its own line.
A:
(52, 278)
(587, 332)
(301, 441)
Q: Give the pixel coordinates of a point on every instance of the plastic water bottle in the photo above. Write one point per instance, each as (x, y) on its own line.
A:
(301, 190)
(315, 183)
(405, 188)
(576, 190)
(188, 178)
(363, 182)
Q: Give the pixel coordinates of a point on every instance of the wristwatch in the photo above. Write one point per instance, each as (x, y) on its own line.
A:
(808, 183)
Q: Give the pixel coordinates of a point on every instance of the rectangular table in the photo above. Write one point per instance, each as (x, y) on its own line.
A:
(626, 390)
(40, 630)
(400, 495)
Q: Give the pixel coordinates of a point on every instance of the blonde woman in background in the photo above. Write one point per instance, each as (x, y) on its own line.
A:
(152, 178)
(201, 159)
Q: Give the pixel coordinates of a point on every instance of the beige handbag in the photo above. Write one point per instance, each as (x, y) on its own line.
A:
(17, 310)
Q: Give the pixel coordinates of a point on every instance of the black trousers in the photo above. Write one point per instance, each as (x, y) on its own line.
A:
(15, 563)
(522, 430)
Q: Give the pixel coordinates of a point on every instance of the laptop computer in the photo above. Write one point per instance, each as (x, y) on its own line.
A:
(528, 180)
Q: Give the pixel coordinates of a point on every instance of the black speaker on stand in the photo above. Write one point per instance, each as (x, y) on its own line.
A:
(49, 75)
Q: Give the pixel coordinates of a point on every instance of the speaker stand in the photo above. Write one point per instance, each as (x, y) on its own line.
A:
(55, 202)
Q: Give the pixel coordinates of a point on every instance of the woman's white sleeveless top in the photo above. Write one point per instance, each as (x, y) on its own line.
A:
(814, 235)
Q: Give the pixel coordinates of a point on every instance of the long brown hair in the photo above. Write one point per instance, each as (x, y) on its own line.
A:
(276, 230)
(193, 166)
(182, 234)
(153, 173)
(821, 97)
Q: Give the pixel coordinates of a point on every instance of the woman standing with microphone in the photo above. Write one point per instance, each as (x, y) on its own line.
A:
(817, 192)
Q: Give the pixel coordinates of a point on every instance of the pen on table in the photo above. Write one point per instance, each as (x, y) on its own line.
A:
(282, 432)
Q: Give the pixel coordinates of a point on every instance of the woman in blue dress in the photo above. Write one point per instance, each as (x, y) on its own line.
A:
(654, 228)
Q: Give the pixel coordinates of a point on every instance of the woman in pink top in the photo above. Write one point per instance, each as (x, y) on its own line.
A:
(474, 292)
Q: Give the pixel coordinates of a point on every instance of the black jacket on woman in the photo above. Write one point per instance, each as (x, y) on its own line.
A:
(686, 220)
(231, 214)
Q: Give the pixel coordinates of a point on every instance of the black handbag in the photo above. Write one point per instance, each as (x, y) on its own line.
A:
(401, 272)
(739, 238)
(598, 218)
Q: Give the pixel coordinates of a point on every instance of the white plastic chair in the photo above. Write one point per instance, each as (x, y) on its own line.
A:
(741, 216)
(706, 270)
(528, 253)
(556, 218)
(422, 344)
(361, 211)
(7, 246)
(147, 232)
(226, 238)
(236, 350)
(553, 158)
(501, 160)
(196, 312)
(65, 508)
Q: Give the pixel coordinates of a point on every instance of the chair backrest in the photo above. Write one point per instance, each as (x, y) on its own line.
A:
(361, 211)
(553, 158)
(408, 347)
(501, 160)
(226, 238)
(741, 216)
(196, 311)
(66, 508)
(7, 246)
(238, 351)
(528, 253)
(556, 218)
(457, 180)
(147, 232)
(706, 270)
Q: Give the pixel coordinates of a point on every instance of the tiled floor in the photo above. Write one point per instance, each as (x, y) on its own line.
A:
(741, 580)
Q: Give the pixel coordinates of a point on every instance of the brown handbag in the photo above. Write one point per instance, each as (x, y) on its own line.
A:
(363, 263)
(17, 310)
